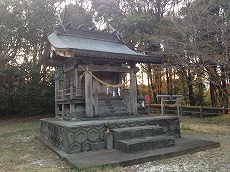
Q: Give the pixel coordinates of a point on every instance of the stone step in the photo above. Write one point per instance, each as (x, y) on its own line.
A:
(113, 114)
(111, 104)
(108, 97)
(138, 131)
(109, 107)
(135, 132)
(105, 109)
(145, 143)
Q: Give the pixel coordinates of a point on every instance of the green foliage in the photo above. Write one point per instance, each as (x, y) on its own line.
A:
(77, 15)
(24, 95)
(107, 13)
(143, 89)
(26, 88)
(196, 37)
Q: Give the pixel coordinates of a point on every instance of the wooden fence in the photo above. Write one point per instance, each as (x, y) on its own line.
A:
(198, 111)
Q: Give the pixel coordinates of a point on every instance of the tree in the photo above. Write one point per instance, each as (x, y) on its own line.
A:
(75, 15)
(26, 84)
(24, 27)
(199, 40)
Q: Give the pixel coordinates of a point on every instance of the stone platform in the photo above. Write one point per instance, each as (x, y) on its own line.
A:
(114, 157)
(136, 139)
(82, 135)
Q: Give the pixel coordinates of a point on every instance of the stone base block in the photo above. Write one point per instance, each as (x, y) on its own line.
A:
(145, 143)
(79, 135)
(97, 146)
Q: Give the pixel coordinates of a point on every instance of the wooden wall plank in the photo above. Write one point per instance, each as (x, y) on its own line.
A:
(133, 92)
(88, 94)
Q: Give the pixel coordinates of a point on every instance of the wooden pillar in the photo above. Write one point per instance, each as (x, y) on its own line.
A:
(162, 106)
(88, 94)
(76, 77)
(178, 107)
(77, 83)
(133, 92)
(95, 97)
(56, 92)
(201, 112)
(71, 92)
(71, 105)
(63, 110)
(72, 110)
(64, 79)
(116, 82)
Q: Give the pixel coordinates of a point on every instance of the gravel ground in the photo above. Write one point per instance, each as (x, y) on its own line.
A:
(214, 160)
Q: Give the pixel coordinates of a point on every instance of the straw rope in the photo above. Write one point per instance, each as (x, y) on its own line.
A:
(104, 83)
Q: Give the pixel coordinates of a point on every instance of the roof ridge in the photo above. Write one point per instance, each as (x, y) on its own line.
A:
(90, 34)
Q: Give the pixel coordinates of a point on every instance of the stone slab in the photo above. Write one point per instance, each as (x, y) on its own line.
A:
(137, 128)
(145, 143)
(98, 121)
(98, 146)
(117, 158)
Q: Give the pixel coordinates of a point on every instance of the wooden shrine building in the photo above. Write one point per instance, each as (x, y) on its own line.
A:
(89, 82)
(93, 65)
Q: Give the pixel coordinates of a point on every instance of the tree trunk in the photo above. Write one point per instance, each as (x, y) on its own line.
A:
(190, 89)
(169, 91)
(151, 85)
(213, 95)
(224, 91)
(159, 83)
(228, 105)
(200, 88)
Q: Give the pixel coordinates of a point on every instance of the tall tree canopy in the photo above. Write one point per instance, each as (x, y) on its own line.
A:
(26, 86)
(194, 34)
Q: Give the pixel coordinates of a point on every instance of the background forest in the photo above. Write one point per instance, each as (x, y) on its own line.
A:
(194, 35)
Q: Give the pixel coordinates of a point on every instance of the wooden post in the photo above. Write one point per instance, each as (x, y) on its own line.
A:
(162, 106)
(88, 94)
(178, 108)
(228, 105)
(224, 110)
(71, 110)
(76, 79)
(56, 91)
(62, 94)
(63, 110)
(64, 81)
(181, 110)
(71, 105)
(71, 92)
(96, 102)
(133, 92)
(201, 115)
(115, 81)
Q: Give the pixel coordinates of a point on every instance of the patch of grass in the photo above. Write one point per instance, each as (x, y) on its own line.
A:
(212, 125)
(223, 120)
(186, 127)
(21, 152)
(220, 120)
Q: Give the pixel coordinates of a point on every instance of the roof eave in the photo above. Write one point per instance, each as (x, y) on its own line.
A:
(118, 56)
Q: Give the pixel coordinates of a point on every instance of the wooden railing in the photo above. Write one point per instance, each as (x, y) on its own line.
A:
(71, 92)
(198, 111)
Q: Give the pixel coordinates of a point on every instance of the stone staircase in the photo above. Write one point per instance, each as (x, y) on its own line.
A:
(108, 106)
(141, 138)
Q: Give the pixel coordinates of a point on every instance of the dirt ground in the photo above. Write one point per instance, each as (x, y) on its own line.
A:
(20, 151)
